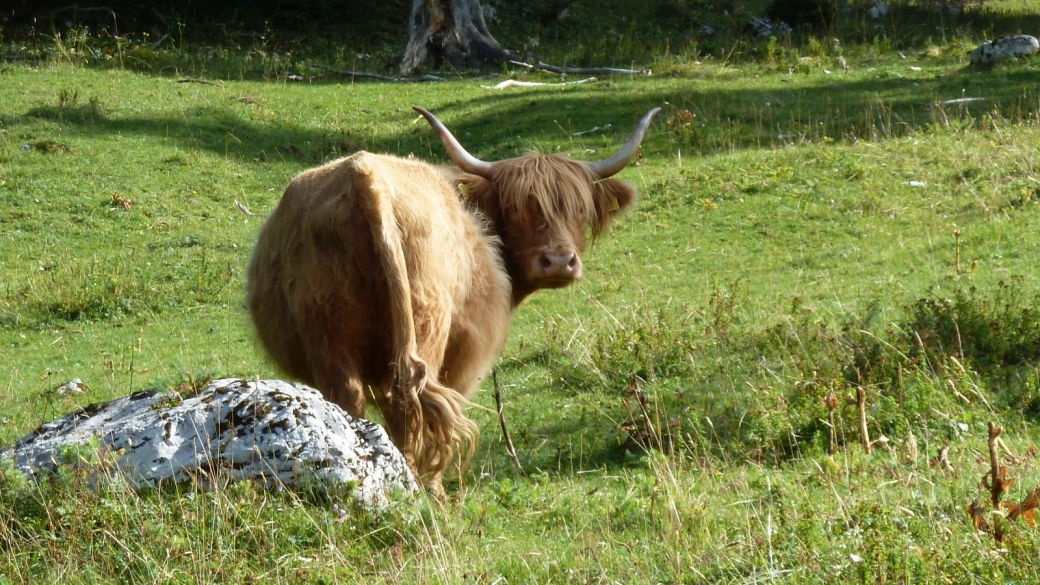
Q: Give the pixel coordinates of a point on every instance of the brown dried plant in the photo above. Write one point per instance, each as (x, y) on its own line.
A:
(997, 482)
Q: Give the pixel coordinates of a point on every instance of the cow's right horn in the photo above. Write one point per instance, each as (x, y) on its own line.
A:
(614, 164)
(464, 160)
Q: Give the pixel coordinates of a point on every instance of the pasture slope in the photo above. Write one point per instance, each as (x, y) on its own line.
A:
(802, 230)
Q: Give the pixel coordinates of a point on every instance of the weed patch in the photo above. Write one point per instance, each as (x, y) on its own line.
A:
(993, 329)
(49, 147)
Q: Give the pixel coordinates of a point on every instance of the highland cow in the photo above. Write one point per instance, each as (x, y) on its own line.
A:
(388, 279)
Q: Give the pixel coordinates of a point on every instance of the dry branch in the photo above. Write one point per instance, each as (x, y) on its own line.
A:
(998, 481)
(502, 421)
(595, 129)
(246, 211)
(581, 70)
(352, 74)
(831, 402)
(202, 81)
(861, 407)
(77, 8)
(515, 83)
(155, 45)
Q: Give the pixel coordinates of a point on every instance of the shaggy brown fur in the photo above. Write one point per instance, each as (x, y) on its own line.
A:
(391, 279)
(543, 202)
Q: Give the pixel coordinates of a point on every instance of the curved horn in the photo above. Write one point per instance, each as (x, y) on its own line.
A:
(614, 164)
(464, 160)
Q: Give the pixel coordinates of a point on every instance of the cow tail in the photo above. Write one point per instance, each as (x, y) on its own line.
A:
(375, 198)
(448, 433)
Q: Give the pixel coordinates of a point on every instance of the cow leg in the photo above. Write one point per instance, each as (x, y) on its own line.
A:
(403, 412)
(423, 416)
(342, 386)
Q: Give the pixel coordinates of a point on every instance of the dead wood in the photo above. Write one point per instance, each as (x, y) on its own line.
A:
(502, 421)
(581, 70)
(364, 75)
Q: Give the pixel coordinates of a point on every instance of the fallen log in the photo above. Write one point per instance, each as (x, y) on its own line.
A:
(581, 70)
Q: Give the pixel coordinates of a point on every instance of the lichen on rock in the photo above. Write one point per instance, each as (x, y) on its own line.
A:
(1006, 47)
(267, 430)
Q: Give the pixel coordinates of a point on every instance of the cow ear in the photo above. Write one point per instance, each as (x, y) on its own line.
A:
(611, 197)
(479, 193)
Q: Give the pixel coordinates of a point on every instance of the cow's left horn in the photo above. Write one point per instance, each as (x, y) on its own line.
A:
(464, 160)
(614, 164)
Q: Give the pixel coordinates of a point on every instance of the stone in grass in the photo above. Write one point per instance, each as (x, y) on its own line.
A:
(268, 430)
(1002, 48)
(878, 10)
(764, 29)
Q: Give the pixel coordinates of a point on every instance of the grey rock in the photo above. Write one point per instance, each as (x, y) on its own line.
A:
(1002, 48)
(877, 10)
(763, 28)
(270, 430)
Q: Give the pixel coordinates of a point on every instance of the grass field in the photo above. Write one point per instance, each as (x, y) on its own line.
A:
(802, 229)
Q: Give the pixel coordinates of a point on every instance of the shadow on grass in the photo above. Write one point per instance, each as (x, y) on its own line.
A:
(502, 125)
(875, 109)
(225, 131)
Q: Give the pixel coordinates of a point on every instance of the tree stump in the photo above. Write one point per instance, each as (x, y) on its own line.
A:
(452, 31)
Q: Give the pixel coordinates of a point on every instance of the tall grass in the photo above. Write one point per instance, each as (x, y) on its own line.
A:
(803, 230)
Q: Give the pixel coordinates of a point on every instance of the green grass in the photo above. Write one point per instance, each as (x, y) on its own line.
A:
(779, 250)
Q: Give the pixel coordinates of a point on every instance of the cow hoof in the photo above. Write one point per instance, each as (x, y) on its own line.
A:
(436, 491)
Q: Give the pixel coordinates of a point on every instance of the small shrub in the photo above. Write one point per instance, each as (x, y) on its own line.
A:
(51, 147)
(654, 342)
(993, 330)
(11, 479)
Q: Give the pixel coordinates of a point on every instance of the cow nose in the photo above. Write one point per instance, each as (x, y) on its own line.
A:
(563, 263)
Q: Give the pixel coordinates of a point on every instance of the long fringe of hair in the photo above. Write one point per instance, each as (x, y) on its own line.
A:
(565, 199)
(439, 430)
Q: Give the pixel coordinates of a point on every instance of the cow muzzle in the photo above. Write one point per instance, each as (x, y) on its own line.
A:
(557, 267)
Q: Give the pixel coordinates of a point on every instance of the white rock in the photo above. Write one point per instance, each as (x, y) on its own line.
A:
(878, 9)
(74, 386)
(1003, 48)
(269, 430)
